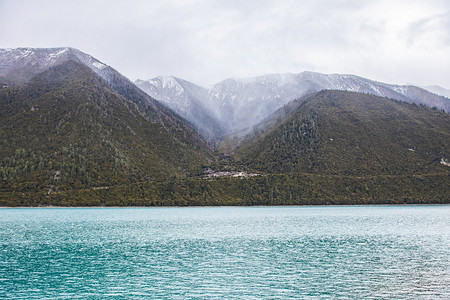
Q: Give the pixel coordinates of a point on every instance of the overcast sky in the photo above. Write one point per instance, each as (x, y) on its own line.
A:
(401, 41)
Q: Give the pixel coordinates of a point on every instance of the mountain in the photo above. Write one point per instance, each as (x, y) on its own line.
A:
(21, 64)
(187, 99)
(75, 132)
(68, 129)
(239, 104)
(353, 134)
(438, 90)
(333, 147)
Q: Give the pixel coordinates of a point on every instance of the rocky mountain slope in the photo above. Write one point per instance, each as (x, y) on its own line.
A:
(187, 99)
(76, 132)
(22, 64)
(239, 104)
(438, 90)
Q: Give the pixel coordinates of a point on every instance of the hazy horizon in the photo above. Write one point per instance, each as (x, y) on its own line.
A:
(406, 42)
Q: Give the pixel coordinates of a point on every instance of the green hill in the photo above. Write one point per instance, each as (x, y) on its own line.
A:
(67, 130)
(345, 133)
(70, 137)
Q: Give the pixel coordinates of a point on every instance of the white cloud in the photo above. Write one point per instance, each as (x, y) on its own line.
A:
(206, 41)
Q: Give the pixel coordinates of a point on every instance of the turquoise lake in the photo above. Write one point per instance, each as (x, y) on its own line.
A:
(379, 252)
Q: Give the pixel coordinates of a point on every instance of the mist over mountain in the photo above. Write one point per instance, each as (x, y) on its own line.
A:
(239, 104)
(438, 90)
(77, 132)
(22, 64)
(187, 99)
(68, 129)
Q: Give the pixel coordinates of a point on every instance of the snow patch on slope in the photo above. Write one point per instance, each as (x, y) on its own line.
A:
(22, 64)
(239, 104)
(98, 65)
(59, 53)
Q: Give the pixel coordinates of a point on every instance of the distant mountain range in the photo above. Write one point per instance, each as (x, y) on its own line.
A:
(69, 122)
(438, 90)
(238, 104)
(74, 131)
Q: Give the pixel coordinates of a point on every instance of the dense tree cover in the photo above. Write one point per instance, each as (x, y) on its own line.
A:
(344, 133)
(262, 190)
(67, 129)
(69, 139)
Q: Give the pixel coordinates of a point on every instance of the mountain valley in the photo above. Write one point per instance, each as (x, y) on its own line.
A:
(239, 104)
(75, 132)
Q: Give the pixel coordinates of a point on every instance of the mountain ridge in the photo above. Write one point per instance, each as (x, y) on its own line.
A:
(21, 64)
(68, 129)
(32, 61)
(438, 90)
(242, 103)
(349, 133)
(186, 99)
(77, 132)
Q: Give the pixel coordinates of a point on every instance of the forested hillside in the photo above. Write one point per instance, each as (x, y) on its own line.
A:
(75, 132)
(347, 133)
(67, 129)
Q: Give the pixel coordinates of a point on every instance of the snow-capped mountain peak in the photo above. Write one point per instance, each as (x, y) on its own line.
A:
(168, 82)
(240, 104)
(225, 107)
(21, 64)
(187, 99)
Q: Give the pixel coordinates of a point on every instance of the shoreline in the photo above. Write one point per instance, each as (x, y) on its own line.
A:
(225, 206)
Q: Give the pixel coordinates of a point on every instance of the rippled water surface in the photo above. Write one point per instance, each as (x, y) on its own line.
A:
(400, 252)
